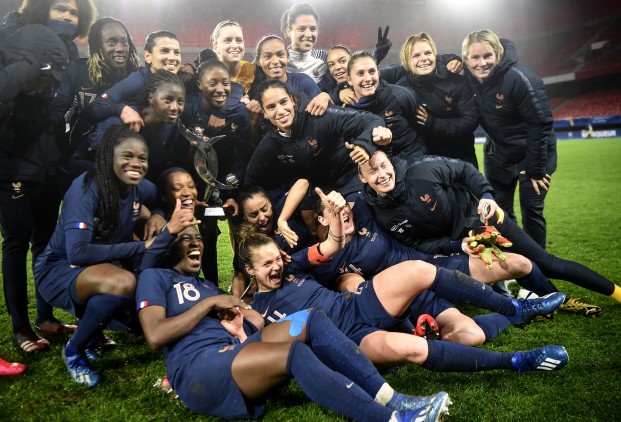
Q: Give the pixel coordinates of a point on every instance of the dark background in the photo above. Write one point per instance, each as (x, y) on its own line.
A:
(355, 22)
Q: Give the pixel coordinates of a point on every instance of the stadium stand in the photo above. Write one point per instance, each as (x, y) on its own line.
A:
(590, 105)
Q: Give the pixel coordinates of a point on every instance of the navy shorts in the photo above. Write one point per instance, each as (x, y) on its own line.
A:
(54, 281)
(460, 261)
(428, 303)
(205, 384)
(362, 313)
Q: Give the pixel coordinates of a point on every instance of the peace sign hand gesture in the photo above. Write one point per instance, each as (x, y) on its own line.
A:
(383, 44)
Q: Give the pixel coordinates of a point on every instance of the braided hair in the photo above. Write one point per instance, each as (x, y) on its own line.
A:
(103, 175)
(98, 70)
(157, 79)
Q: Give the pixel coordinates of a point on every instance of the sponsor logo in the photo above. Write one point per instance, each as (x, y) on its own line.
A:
(397, 227)
(17, 190)
(136, 207)
(314, 146)
(427, 199)
(449, 102)
(500, 98)
(286, 158)
(264, 314)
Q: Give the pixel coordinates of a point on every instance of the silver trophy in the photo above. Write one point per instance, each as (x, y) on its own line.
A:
(206, 165)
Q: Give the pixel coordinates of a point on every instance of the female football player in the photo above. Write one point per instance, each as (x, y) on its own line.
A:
(431, 204)
(211, 339)
(161, 51)
(381, 303)
(87, 267)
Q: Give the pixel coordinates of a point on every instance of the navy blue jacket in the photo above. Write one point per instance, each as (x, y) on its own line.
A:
(233, 151)
(397, 106)
(433, 205)
(515, 113)
(315, 151)
(452, 112)
(112, 101)
(28, 150)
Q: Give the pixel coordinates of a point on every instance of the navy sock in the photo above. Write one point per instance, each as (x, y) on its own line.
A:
(456, 286)
(492, 324)
(341, 354)
(537, 282)
(446, 356)
(100, 309)
(332, 389)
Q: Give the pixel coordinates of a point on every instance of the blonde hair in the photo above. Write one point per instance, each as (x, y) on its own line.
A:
(406, 50)
(486, 37)
(219, 26)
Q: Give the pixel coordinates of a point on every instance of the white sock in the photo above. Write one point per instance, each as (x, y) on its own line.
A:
(384, 394)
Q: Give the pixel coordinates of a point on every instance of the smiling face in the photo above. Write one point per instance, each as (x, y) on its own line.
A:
(279, 108)
(346, 215)
(230, 44)
(481, 60)
(215, 86)
(258, 212)
(266, 266)
(180, 185)
(364, 77)
(422, 60)
(166, 54)
(378, 173)
(64, 11)
(337, 64)
(303, 33)
(188, 248)
(130, 161)
(115, 45)
(273, 59)
(168, 102)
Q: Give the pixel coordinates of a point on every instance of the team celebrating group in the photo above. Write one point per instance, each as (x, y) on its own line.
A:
(357, 212)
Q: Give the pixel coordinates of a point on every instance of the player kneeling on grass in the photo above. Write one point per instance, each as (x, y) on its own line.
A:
(210, 338)
(382, 303)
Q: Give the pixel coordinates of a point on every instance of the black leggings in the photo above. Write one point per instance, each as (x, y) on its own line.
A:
(28, 214)
(550, 265)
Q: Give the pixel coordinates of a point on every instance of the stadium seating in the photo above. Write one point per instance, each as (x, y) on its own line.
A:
(590, 105)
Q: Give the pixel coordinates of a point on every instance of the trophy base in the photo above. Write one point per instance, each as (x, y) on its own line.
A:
(214, 212)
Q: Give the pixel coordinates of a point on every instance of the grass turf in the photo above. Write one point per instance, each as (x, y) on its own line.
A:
(583, 225)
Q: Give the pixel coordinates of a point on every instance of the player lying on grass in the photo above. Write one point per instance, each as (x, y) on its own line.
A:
(220, 364)
(368, 250)
(382, 303)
